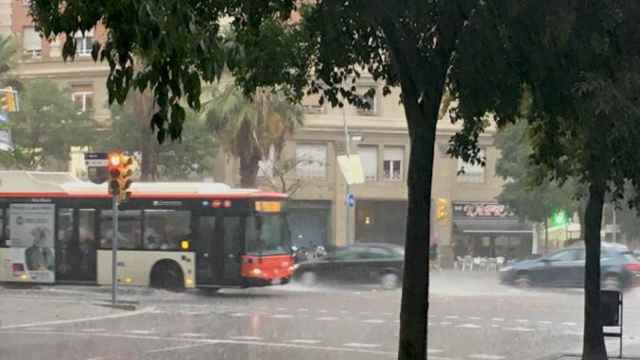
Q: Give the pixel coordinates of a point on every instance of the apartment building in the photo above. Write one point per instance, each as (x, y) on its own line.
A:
(320, 215)
(42, 59)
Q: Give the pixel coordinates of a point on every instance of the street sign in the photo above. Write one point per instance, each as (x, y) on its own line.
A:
(4, 117)
(5, 140)
(97, 167)
(351, 200)
(351, 168)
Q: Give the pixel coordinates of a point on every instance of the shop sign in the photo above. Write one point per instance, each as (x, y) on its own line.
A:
(481, 210)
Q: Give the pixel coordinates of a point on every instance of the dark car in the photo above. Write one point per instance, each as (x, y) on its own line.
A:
(360, 263)
(565, 268)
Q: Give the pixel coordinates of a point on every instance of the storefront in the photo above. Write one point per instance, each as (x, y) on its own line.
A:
(487, 229)
(381, 221)
(309, 223)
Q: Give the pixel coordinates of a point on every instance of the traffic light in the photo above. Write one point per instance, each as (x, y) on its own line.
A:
(120, 173)
(9, 100)
(559, 218)
(442, 209)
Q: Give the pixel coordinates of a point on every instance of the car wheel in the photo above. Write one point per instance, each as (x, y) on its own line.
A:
(522, 281)
(308, 278)
(611, 282)
(389, 281)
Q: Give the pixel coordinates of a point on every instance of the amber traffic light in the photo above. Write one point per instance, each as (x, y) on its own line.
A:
(442, 209)
(120, 173)
(9, 103)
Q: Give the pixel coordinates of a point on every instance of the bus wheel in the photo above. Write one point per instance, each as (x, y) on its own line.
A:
(167, 275)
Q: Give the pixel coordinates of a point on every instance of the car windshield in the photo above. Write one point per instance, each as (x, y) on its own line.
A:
(319, 179)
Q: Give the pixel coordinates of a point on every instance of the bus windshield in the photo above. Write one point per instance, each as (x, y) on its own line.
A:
(266, 235)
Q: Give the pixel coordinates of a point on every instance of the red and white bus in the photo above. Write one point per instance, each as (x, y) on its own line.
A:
(56, 228)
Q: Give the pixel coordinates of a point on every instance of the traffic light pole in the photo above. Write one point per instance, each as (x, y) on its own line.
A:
(114, 252)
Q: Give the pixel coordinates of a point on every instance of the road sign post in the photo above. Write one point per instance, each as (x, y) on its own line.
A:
(114, 252)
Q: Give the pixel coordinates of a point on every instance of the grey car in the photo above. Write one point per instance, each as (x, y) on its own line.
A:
(360, 263)
(565, 268)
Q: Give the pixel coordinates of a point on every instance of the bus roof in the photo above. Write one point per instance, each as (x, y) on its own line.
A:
(59, 184)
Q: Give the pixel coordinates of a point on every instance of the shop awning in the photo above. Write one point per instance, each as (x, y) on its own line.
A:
(498, 226)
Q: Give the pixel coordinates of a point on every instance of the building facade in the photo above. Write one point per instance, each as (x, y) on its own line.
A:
(320, 214)
(40, 59)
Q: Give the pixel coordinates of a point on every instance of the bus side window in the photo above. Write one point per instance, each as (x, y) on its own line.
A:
(3, 229)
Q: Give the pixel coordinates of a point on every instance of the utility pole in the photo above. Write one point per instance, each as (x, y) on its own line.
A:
(114, 251)
(347, 144)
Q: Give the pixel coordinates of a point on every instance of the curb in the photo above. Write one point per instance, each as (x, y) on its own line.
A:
(121, 305)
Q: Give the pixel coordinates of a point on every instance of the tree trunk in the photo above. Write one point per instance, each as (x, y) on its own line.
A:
(249, 170)
(415, 288)
(593, 343)
(546, 235)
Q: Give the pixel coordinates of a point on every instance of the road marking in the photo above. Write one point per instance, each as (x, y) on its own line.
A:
(303, 309)
(281, 309)
(522, 320)
(94, 330)
(305, 341)
(497, 319)
(242, 337)
(374, 321)
(362, 345)
(194, 312)
(174, 348)
(194, 335)
(40, 329)
(469, 326)
(568, 323)
(239, 314)
(495, 326)
(71, 321)
(445, 323)
(344, 312)
(365, 312)
(221, 341)
(323, 311)
(141, 332)
(519, 328)
(327, 318)
(97, 358)
(434, 351)
(545, 322)
(282, 316)
(474, 318)
(387, 314)
(452, 317)
(486, 357)
(572, 333)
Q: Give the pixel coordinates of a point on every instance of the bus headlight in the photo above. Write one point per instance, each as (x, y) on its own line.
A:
(256, 272)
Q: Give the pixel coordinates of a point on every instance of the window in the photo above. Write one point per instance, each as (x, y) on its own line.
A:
(376, 253)
(471, 173)
(565, 255)
(31, 42)
(265, 235)
(82, 96)
(164, 229)
(311, 104)
(84, 43)
(392, 163)
(370, 100)
(311, 160)
(129, 229)
(369, 160)
(348, 253)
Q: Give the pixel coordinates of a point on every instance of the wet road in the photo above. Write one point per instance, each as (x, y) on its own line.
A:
(471, 317)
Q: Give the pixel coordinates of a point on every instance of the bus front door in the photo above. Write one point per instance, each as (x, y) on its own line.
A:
(220, 248)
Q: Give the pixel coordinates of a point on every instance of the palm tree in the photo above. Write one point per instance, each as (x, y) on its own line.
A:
(248, 128)
(7, 58)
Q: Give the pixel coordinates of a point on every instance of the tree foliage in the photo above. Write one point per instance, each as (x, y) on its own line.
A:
(191, 156)
(580, 63)
(526, 190)
(249, 129)
(45, 129)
